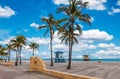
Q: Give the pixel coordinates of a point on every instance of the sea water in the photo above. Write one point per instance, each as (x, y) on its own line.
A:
(102, 60)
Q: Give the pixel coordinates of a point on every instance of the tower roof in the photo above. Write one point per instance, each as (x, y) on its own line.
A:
(60, 52)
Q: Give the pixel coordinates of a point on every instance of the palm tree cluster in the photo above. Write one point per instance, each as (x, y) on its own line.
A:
(16, 44)
(3, 53)
(67, 26)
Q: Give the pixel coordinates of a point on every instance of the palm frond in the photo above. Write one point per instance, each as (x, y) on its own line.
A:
(41, 27)
(64, 9)
(75, 39)
(79, 28)
(85, 4)
(46, 32)
(44, 19)
(85, 18)
(60, 21)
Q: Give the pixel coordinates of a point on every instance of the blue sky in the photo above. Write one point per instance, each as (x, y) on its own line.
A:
(101, 40)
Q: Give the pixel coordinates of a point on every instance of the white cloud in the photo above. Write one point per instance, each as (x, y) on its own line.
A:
(96, 4)
(39, 40)
(117, 48)
(96, 34)
(107, 54)
(6, 41)
(6, 12)
(86, 41)
(58, 2)
(93, 4)
(103, 45)
(91, 46)
(118, 3)
(86, 44)
(78, 56)
(114, 11)
(34, 25)
(60, 47)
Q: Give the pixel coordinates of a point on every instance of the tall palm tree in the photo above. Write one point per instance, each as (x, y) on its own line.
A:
(70, 37)
(22, 41)
(9, 48)
(3, 52)
(5, 56)
(50, 26)
(74, 12)
(16, 46)
(33, 46)
(17, 43)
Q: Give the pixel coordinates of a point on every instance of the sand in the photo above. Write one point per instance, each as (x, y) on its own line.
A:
(21, 72)
(93, 69)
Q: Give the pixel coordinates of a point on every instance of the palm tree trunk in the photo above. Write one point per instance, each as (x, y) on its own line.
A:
(16, 61)
(20, 56)
(51, 48)
(5, 58)
(17, 52)
(69, 59)
(70, 46)
(8, 55)
(33, 51)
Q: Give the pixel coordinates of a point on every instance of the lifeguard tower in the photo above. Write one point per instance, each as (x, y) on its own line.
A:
(58, 57)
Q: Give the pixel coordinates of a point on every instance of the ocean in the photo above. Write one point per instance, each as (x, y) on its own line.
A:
(102, 60)
(95, 60)
(91, 60)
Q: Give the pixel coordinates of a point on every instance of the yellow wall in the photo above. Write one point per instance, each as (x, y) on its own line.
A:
(37, 64)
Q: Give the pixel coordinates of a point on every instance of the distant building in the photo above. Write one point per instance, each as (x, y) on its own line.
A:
(59, 57)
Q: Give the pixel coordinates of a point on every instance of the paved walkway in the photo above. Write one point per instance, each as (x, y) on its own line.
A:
(21, 72)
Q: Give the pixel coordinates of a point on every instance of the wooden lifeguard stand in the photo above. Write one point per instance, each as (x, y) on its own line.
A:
(59, 57)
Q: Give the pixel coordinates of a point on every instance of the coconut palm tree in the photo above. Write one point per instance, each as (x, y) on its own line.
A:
(16, 46)
(3, 53)
(9, 48)
(69, 36)
(50, 26)
(5, 56)
(33, 46)
(74, 12)
(17, 43)
(22, 41)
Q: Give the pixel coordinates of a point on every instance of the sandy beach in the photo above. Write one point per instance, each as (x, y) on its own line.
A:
(93, 69)
(21, 72)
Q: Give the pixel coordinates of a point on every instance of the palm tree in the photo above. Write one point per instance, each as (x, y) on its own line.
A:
(3, 53)
(69, 36)
(22, 41)
(74, 12)
(33, 46)
(17, 43)
(16, 46)
(5, 56)
(50, 26)
(9, 48)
